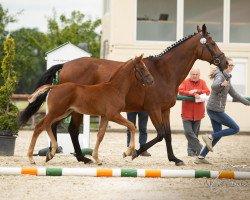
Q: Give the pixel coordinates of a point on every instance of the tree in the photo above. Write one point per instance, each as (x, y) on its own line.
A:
(5, 19)
(31, 46)
(75, 29)
(8, 111)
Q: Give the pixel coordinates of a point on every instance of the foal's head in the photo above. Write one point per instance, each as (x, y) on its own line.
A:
(209, 50)
(141, 71)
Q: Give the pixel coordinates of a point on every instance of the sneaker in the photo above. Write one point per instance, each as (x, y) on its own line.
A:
(145, 153)
(208, 142)
(201, 161)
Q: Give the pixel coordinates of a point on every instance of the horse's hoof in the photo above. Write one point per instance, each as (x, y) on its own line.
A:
(32, 162)
(87, 161)
(124, 155)
(80, 158)
(181, 163)
(48, 157)
(134, 154)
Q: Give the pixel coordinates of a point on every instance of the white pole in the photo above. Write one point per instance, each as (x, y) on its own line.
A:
(86, 131)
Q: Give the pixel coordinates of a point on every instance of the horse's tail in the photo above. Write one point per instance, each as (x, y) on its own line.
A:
(32, 108)
(39, 92)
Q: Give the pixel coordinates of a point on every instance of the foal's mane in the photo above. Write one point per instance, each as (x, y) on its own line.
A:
(172, 46)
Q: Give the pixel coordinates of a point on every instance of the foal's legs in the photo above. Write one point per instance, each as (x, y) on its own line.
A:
(37, 131)
(121, 120)
(100, 135)
(53, 141)
(75, 122)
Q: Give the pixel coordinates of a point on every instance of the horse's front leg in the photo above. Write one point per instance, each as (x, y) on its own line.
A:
(118, 118)
(37, 131)
(168, 139)
(100, 136)
(74, 126)
(156, 118)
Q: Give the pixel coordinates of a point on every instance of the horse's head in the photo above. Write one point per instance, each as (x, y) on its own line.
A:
(210, 50)
(141, 71)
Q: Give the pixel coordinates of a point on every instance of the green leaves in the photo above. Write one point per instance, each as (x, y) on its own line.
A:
(8, 111)
(75, 29)
(32, 45)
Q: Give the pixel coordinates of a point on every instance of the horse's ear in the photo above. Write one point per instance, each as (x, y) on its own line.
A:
(138, 59)
(141, 57)
(204, 29)
(198, 29)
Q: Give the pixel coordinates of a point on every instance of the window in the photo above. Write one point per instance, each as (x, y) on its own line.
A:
(106, 6)
(156, 20)
(204, 12)
(105, 50)
(240, 21)
(239, 73)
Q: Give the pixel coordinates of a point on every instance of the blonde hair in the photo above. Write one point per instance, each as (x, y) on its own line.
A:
(212, 72)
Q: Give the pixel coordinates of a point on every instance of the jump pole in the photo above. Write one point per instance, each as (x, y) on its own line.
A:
(118, 172)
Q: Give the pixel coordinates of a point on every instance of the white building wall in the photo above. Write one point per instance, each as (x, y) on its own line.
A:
(121, 34)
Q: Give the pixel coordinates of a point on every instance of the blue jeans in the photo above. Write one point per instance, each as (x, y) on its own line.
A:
(142, 122)
(217, 120)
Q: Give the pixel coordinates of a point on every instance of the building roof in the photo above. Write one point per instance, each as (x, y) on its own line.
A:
(67, 44)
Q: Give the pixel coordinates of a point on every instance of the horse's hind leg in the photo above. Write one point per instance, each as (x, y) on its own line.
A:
(54, 144)
(54, 129)
(37, 131)
(74, 126)
(100, 135)
(121, 120)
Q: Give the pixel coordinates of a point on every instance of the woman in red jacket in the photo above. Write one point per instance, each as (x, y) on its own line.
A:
(193, 112)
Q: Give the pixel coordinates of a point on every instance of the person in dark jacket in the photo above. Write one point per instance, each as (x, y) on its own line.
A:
(193, 112)
(221, 86)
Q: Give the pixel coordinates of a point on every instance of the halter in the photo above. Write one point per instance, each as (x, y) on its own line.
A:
(215, 58)
(142, 78)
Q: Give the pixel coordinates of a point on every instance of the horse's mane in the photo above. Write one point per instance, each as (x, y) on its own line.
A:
(172, 46)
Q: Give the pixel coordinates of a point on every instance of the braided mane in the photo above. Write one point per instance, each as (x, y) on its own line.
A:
(172, 46)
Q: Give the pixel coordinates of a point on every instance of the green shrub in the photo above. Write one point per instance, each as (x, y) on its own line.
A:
(8, 111)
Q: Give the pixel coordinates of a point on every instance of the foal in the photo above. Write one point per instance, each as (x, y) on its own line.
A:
(104, 99)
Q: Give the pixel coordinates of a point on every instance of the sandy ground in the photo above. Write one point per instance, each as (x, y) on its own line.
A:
(232, 153)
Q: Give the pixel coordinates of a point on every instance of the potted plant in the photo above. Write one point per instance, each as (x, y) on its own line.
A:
(8, 111)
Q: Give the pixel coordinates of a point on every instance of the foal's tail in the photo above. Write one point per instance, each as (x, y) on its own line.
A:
(39, 92)
(32, 108)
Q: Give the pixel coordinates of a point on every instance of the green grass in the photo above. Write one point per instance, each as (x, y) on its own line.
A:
(21, 105)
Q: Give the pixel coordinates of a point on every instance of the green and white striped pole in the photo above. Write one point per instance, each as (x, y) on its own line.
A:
(117, 172)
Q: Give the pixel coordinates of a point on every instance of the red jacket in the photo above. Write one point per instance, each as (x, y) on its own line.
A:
(191, 110)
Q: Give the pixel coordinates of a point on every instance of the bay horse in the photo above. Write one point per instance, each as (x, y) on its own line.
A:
(104, 99)
(169, 69)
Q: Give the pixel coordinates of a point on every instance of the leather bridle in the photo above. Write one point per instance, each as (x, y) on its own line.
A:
(215, 58)
(142, 77)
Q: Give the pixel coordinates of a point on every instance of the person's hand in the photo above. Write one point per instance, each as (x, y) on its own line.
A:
(224, 83)
(192, 91)
(197, 96)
